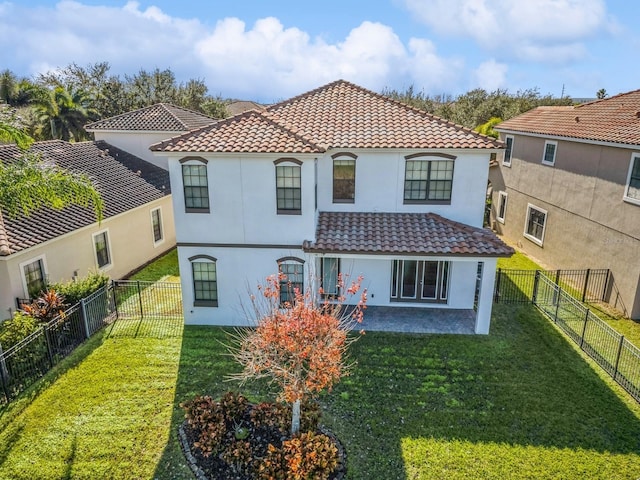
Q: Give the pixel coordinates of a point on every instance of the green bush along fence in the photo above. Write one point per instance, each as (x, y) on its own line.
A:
(26, 362)
(608, 348)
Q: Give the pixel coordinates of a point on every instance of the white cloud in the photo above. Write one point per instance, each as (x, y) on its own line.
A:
(491, 75)
(538, 30)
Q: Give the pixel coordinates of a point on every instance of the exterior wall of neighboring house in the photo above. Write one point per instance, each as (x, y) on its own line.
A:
(379, 184)
(137, 143)
(131, 243)
(244, 236)
(588, 223)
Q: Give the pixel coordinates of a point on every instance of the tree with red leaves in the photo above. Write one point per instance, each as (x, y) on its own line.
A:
(299, 345)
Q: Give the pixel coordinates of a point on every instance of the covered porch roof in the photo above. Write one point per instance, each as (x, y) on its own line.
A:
(402, 234)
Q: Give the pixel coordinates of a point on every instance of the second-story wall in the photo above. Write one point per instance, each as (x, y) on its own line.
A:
(137, 143)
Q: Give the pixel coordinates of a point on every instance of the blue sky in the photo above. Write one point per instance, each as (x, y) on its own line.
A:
(270, 50)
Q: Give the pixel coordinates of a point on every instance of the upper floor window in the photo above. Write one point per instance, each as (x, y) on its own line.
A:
(428, 181)
(632, 189)
(289, 186)
(196, 186)
(502, 206)
(156, 225)
(549, 156)
(205, 281)
(292, 280)
(535, 224)
(344, 178)
(101, 246)
(508, 142)
(34, 276)
(329, 270)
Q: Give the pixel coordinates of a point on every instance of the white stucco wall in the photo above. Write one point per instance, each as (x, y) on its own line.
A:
(137, 143)
(131, 245)
(380, 185)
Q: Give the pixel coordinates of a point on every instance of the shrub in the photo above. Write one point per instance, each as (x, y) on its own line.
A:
(206, 418)
(271, 415)
(238, 455)
(76, 290)
(310, 456)
(16, 329)
(233, 406)
(46, 307)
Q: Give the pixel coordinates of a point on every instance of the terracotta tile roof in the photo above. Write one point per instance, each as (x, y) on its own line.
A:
(161, 117)
(124, 181)
(240, 106)
(402, 234)
(615, 119)
(341, 115)
(249, 132)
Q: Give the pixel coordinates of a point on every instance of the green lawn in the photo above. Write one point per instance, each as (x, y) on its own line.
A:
(164, 268)
(516, 404)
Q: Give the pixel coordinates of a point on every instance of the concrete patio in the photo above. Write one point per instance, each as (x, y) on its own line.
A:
(419, 320)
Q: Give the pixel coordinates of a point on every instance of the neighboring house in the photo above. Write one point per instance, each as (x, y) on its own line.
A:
(339, 179)
(134, 131)
(237, 107)
(59, 245)
(568, 188)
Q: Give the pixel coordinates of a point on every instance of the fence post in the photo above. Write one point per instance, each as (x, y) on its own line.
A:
(496, 294)
(4, 374)
(557, 277)
(115, 300)
(558, 297)
(584, 328)
(586, 282)
(140, 299)
(83, 316)
(605, 287)
(536, 279)
(615, 371)
(47, 340)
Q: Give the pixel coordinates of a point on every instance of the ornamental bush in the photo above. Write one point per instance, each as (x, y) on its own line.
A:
(76, 290)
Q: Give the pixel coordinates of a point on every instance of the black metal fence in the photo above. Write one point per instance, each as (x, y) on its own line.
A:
(26, 362)
(608, 348)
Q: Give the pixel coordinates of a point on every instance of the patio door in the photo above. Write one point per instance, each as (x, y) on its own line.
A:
(419, 281)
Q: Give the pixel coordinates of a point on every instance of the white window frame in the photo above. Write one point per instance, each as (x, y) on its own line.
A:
(109, 265)
(209, 260)
(153, 233)
(45, 272)
(292, 163)
(507, 161)
(196, 162)
(555, 152)
(537, 241)
(635, 157)
(503, 198)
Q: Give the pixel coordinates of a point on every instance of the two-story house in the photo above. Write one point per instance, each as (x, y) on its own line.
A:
(568, 188)
(339, 179)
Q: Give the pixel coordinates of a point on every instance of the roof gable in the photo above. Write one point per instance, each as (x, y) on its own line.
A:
(614, 120)
(161, 117)
(338, 115)
(124, 181)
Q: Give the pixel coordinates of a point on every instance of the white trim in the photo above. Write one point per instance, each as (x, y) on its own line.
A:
(21, 266)
(537, 241)
(634, 157)
(502, 196)
(109, 265)
(153, 234)
(555, 152)
(569, 139)
(504, 155)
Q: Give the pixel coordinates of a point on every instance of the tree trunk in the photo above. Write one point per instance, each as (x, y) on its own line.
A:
(295, 417)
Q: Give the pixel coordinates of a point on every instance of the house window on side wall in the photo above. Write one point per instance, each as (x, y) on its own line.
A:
(288, 186)
(102, 249)
(196, 186)
(344, 178)
(535, 224)
(156, 225)
(508, 142)
(420, 281)
(632, 190)
(292, 280)
(329, 271)
(549, 156)
(502, 206)
(205, 281)
(428, 181)
(34, 277)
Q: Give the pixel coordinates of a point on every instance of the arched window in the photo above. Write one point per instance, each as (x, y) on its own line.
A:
(344, 177)
(288, 186)
(428, 178)
(196, 185)
(205, 281)
(293, 280)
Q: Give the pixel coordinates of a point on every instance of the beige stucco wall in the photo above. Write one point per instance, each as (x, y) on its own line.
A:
(131, 245)
(589, 225)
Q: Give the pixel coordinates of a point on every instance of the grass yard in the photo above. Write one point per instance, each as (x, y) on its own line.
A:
(163, 269)
(517, 404)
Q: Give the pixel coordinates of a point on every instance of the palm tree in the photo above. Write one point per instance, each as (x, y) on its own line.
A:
(63, 113)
